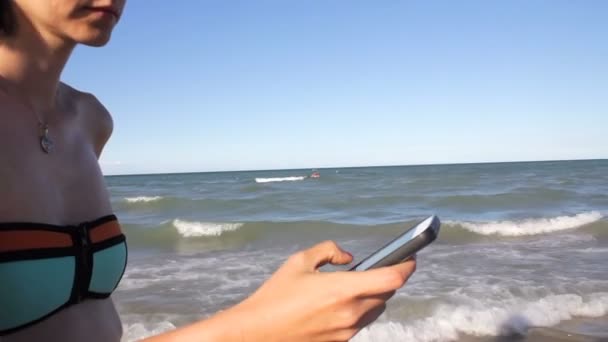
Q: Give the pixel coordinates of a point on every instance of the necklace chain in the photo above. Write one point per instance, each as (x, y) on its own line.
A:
(46, 143)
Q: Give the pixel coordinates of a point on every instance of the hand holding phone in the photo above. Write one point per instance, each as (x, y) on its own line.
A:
(403, 246)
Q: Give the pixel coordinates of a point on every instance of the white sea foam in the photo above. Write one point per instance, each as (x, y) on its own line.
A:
(143, 199)
(450, 322)
(239, 270)
(138, 331)
(531, 226)
(279, 179)
(198, 229)
(484, 318)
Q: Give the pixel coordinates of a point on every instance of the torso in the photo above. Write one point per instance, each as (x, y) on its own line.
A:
(65, 187)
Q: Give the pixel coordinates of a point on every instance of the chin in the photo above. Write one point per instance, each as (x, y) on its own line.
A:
(92, 31)
(95, 39)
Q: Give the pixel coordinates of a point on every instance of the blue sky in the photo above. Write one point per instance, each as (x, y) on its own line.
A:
(237, 85)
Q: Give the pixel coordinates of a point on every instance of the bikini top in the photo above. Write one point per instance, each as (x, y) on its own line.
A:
(45, 268)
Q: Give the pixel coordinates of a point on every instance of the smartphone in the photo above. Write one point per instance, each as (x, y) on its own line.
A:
(403, 246)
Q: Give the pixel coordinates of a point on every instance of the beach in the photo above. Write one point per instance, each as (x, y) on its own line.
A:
(521, 255)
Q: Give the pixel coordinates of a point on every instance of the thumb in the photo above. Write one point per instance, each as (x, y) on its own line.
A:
(324, 253)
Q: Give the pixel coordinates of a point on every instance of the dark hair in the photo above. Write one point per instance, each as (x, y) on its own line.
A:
(7, 19)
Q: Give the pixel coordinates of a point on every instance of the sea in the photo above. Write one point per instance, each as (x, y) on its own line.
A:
(522, 253)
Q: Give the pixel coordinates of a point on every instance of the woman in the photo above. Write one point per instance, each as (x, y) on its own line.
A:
(61, 250)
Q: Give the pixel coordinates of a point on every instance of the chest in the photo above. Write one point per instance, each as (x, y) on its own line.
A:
(64, 185)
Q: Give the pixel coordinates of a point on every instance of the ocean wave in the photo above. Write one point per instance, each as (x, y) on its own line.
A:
(198, 229)
(279, 179)
(450, 322)
(138, 331)
(530, 226)
(481, 318)
(517, 198)
(171, 232)
(144, 199)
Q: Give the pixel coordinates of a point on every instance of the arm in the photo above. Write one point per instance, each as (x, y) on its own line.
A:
(102, 126)
(298, 303)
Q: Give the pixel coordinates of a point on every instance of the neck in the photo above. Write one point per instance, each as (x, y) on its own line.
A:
(33, 61)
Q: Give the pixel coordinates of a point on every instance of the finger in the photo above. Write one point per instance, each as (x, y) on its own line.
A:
(366, 311)
(324, 253)
(413, 257)
(405, 268)
(379, 280)
(368, 303)
(385, 296)
(370, 316)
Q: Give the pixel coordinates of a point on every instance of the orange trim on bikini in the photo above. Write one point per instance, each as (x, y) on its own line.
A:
(32, 239)
(105, 231)
(18, 240)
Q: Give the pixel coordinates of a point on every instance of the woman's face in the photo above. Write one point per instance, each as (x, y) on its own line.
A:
(88, 22)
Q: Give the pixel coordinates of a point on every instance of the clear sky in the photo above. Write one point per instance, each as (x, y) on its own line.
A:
(234, 85)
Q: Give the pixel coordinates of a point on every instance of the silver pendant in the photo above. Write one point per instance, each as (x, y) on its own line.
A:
(45, 142)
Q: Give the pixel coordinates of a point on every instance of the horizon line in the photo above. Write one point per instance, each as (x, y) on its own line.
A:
(353, 167)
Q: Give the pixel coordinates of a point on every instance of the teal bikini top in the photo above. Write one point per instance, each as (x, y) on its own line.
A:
(45, 268)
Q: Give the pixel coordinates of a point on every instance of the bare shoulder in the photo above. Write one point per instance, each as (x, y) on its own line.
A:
(95, 116)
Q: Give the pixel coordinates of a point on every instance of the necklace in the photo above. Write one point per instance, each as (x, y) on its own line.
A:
(46, 143)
